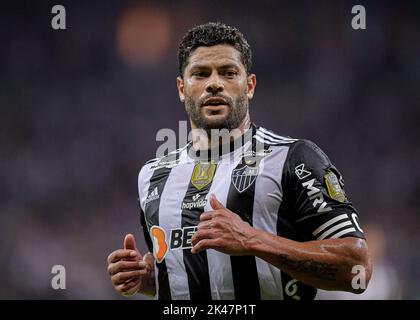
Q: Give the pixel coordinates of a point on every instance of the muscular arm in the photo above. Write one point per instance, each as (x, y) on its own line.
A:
(325, 264)
(319, 188)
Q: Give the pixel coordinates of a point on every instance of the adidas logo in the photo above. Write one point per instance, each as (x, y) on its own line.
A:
(154, 195)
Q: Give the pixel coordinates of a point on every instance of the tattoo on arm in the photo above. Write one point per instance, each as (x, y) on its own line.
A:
(321, 270)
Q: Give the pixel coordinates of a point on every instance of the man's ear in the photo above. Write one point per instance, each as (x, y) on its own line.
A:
(180, 85)
(251, 84)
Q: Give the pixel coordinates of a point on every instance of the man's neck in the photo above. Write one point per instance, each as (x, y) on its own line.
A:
(203, 140)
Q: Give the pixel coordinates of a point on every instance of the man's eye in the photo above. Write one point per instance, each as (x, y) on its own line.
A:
(199, 74)
(230, 73)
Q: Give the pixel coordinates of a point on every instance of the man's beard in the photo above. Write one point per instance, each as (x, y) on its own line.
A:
(237, 111)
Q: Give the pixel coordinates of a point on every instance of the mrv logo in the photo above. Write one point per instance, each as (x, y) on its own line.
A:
(315, 194)
(180, 238)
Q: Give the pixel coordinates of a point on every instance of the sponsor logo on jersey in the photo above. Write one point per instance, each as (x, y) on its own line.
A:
(154, 195)
(301, 172)
(291, 289)
(244, 177)
(203, 174)
(260, 153)
(334, 187)
(165, 164)
(316, 195)
(252, 157)
(180, 238)
(160, 248)
(197, 202)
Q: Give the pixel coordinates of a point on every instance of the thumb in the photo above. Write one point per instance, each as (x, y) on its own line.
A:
(215, 204)
(130, 242)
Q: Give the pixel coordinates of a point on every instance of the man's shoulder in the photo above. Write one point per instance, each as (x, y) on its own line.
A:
(304, 145)
(305, 153)
(299, 149)
(271, 137)
(165, 161)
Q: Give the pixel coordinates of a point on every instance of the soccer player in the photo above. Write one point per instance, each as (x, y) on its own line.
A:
(267, 218)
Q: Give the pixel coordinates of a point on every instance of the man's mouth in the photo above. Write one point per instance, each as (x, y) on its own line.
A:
(215, 103)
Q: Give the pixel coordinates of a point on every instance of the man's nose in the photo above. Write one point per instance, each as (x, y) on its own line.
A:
(215, 85)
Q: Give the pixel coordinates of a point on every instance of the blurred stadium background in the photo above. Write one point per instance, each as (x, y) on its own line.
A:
(80, 108)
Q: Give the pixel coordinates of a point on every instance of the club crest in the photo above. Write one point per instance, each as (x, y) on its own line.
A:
(244, 177)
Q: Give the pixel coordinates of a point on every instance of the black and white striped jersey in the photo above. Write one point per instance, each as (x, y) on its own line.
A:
(287, 187)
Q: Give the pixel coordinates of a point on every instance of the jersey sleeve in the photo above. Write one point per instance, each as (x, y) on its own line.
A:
(314, 189)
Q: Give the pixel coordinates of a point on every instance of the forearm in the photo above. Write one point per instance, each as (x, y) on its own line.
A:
(325, 264)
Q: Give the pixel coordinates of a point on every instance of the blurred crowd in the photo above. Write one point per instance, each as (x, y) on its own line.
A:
(80, 108)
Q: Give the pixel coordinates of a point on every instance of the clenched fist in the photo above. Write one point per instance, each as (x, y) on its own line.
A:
(131, 272)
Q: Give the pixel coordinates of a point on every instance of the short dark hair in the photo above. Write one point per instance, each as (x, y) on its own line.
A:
(211, 34)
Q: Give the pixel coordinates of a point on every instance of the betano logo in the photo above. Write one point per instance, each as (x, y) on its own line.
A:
(159, 243)
(180, 239)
